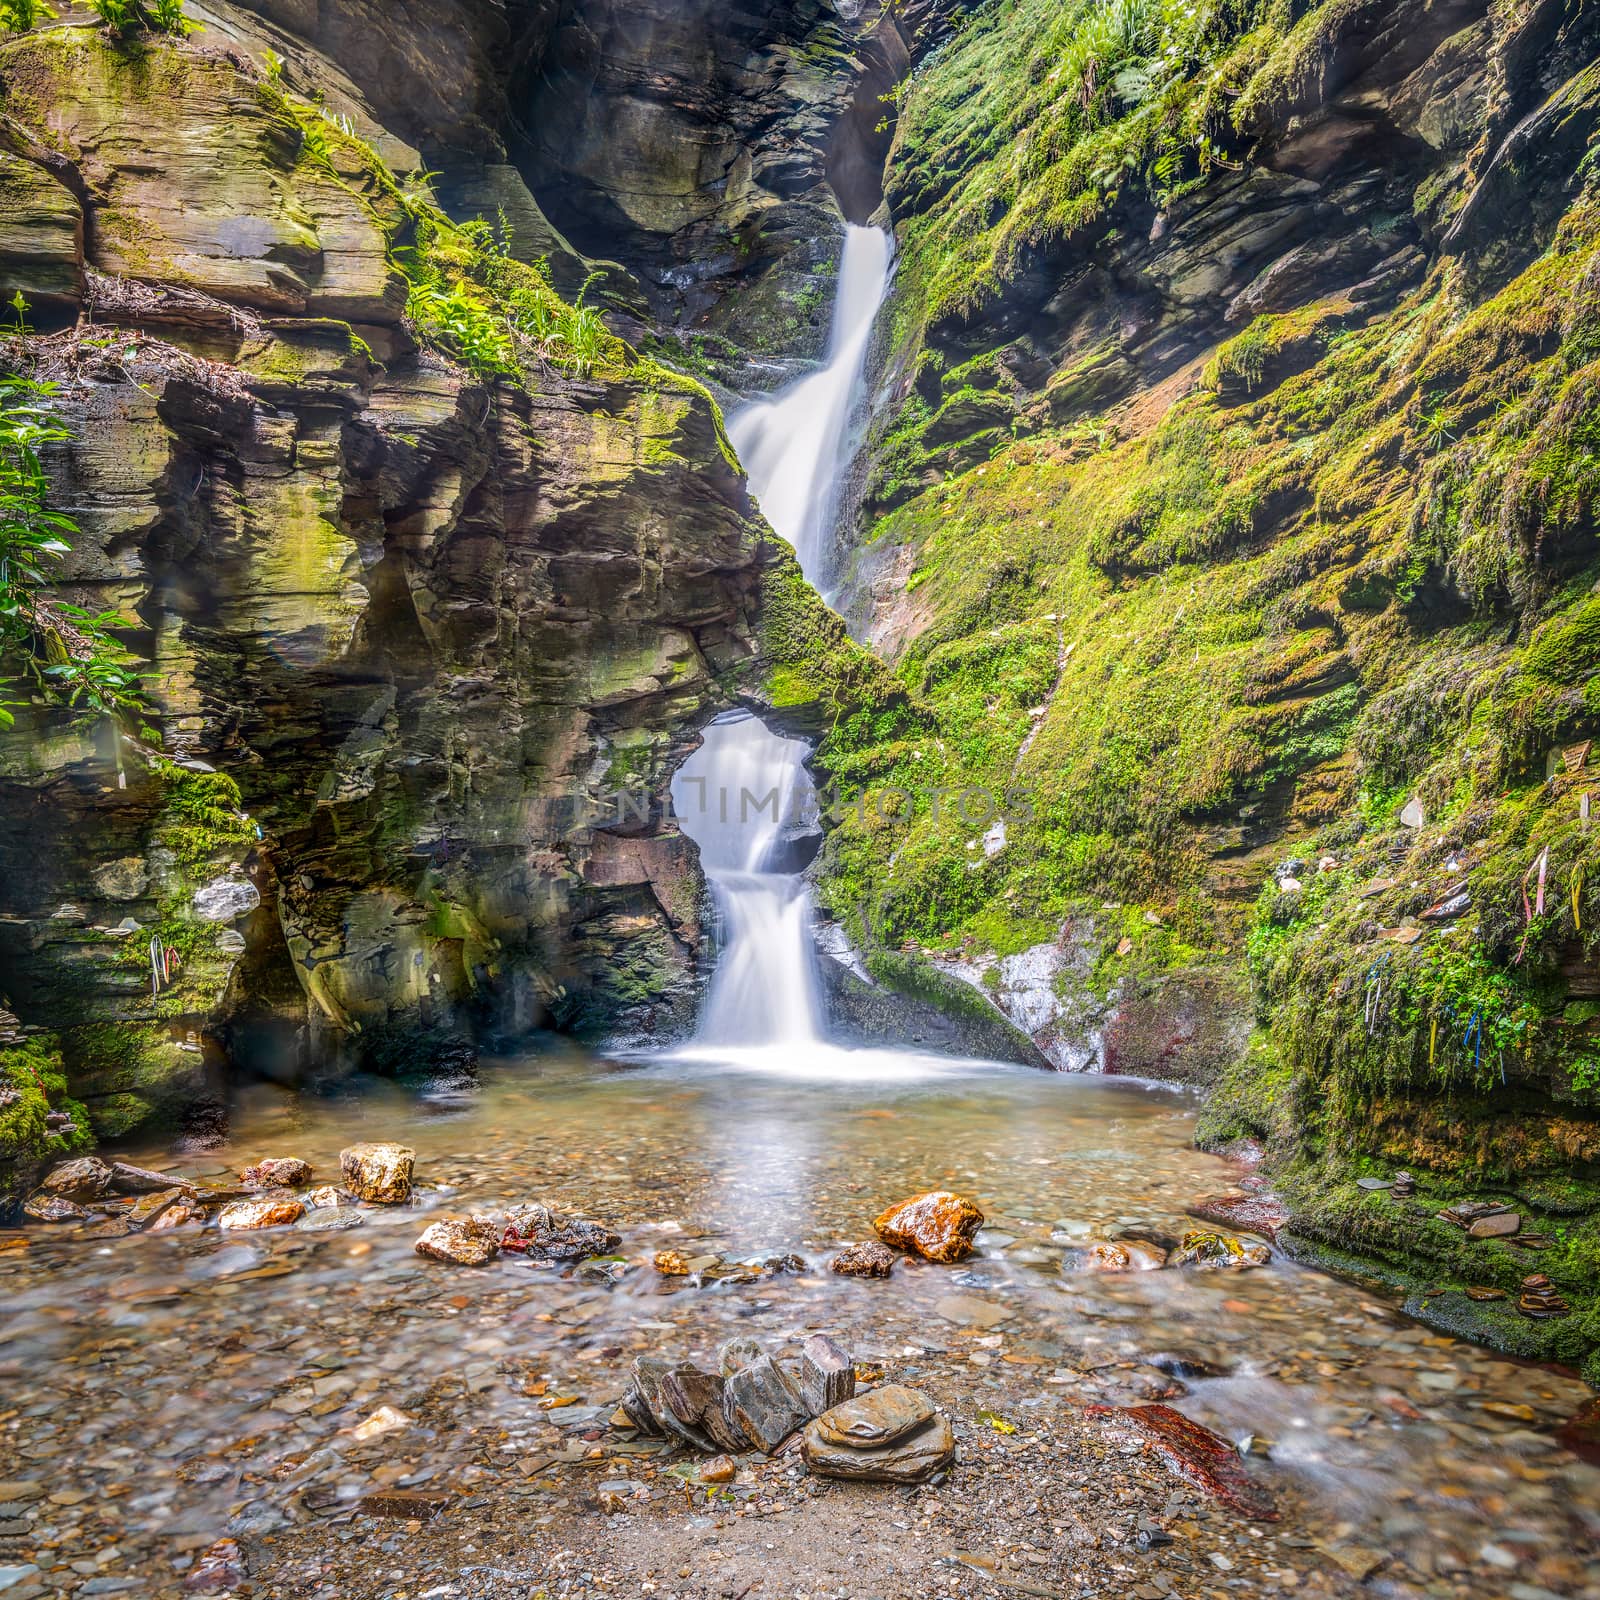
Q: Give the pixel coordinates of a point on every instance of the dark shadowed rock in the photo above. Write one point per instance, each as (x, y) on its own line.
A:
(696, 1399)
(84, 1179)
(537, 1231)
(868, 1259)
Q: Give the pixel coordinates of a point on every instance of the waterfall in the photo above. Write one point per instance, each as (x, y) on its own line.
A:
(793, 445)
(745, 784)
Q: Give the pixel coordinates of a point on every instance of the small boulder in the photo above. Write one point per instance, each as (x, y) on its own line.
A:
(1107, 1255)
(129, 1179)
(760, 1399)
(1208, 1252)
(938, 1226)
(827, 1374)
(288, 1172)
(879, 1417)
(52, 1208)
(379, 1173)
(912, 1457)
(87, 1178)
(328, 1196)
(267, 1212)
(462, 1241)
(869, 1259)
(331, 1219)
(537, 1231)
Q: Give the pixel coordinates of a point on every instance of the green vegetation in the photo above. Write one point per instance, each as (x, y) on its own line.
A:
(20, 15)
(66, 652)
(128, 17)
(32, 1086)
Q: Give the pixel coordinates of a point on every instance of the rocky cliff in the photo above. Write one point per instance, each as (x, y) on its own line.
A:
(1230, 532)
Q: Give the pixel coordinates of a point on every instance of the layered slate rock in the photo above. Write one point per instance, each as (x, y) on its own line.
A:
(891, 1435)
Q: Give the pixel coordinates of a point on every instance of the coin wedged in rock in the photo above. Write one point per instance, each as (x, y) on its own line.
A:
(879, 1417)
(910, 1459)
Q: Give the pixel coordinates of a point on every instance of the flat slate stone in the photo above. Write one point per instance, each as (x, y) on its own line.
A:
(762, 1401)
(910, 1459)
(1498, 1225)
(877, 1418)
(827, 1374)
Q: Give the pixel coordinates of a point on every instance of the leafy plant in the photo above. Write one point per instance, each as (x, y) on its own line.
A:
(67, 650)
(459, 319)
(20, 15)
(125, 17)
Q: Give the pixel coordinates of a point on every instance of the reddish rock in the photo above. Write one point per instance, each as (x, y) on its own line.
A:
(939, 1225)
(1250, 1213)
(1581, 1433)
(286, 1171)
(221, 1568)
(1194, 1452)
(262, 1213)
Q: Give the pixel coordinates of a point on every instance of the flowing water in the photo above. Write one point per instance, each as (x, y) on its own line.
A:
(157, 1390)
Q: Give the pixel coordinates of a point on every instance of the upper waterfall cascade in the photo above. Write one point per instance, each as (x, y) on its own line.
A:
(745, 784)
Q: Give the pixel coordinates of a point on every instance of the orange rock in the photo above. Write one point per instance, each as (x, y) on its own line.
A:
(260, 1214)
(939, 1225)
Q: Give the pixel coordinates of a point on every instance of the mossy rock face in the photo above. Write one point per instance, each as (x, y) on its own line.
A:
(33, 1084)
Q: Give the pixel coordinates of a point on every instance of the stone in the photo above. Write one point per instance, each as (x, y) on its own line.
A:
(220, 1568)
(328, 1195)
(379, 1173)
(331, 1219)
(868, 1259)
(642, 1399)
(760, 1399)
(719, 1469)
(1105, 1255)
(913, 1458)
(1497, 1226)
(1196, 1453)
(177, 1216)
(226, 899)
(738, 1353)
(129, 1179)
(288, 1171)
(266, 1212)
(878, 1417)
(1209, 1252)
(420, 1505)
(148, 1207)
(537, 1231)
(972, 1312)
(52, 1208)
(386, 1419)
(671, 1263)
(87, 1178)
(1250, 1213)
(827, 1374)
(461, 1241)
(938, 1226)
(697, 1401)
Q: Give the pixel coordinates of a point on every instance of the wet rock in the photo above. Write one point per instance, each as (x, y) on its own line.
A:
(698, 1402)
(87, 1178)
(1581, 1433)
(52, 1208)
(220, 1568)
(265, 1212)
(537, 1231)
(912, 1458)
(148, 1207)
(379, 1173)
(1196, 1453)
(1251, 1213)
(877, 1418)
(1404, 1186)
(1185, 1364)
(764, 1404)
(129, 1179)
(1104, 1255)
(719, 1469)
(285, 1171)
(1539, 1299)
(869, 1259)
(827, 1374)
(327, 1196)
(938, 1226)
(671, 1263)
(329, 1219)
(1498, 1226)
(461, 1241)
(642, 1400)
(737, 1354)
(1209, 1252)
(1144, 1233)
(226, 899)
(177, 1216)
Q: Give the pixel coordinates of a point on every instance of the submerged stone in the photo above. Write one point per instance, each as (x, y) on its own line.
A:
(1208, 1252)
(264, 1213)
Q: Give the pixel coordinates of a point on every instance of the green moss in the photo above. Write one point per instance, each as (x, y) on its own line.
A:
(33, 1073)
